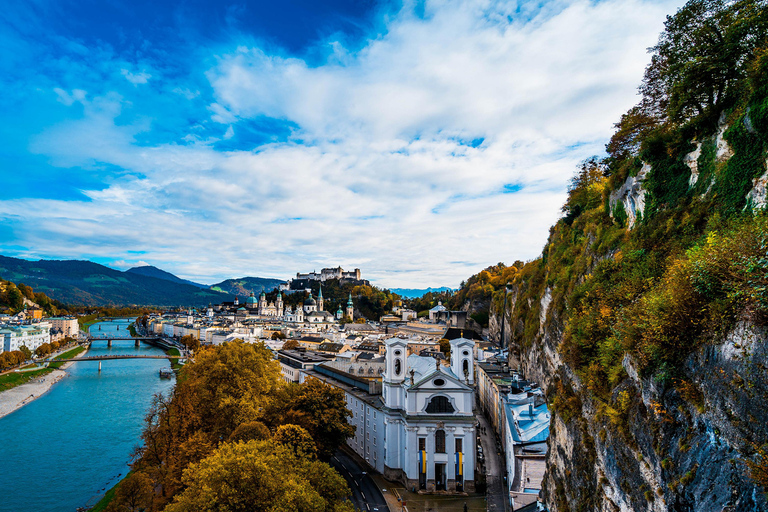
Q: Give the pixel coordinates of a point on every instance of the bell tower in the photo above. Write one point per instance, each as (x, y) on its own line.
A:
(350, 308)
(462, 359)
(395, 372)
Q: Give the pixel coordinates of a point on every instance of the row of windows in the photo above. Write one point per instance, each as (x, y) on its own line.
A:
(440, 442)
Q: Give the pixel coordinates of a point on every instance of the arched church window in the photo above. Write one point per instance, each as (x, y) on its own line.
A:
(439, 405)
(440, 441)
(466, 367)
(398, 367)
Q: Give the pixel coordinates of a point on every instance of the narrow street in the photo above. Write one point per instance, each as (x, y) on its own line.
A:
(366, 496)
(496, 495)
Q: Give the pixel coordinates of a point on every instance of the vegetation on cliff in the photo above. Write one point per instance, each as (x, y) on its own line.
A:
(630, 289)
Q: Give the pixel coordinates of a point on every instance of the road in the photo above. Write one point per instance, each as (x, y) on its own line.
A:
(366, 496)
(494, 468)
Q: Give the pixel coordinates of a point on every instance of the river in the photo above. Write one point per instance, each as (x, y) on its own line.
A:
(65, 449)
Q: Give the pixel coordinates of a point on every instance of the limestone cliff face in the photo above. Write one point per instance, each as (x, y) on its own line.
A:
(671, 452)
(632, 195)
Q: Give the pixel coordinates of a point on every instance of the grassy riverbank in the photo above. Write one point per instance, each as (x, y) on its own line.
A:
(13, 379)
(69, 354)
(104, 502)
(88, 320)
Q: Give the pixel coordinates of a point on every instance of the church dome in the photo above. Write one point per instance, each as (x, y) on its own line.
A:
(310, 302)
(251, 299)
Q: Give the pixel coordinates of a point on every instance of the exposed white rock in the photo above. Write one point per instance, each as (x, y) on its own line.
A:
(724, 151)
(739, 342)
(632, 195)
(757, 197)
(546, 300)
(692, 161)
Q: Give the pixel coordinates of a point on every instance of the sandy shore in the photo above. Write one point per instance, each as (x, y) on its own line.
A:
(17, 397)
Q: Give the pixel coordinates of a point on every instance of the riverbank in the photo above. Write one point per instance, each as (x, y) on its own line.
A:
(19, 396)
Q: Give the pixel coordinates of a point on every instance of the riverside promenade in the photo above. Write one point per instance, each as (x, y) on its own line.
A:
(19, 396)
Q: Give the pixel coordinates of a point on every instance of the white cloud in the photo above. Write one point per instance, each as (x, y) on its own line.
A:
(122, 264)
(141, 77)
(380, 173)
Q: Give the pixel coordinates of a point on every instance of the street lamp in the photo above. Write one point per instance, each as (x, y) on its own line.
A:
(507, 291)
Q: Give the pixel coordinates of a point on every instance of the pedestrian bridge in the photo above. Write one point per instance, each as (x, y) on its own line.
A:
(109, 358)
(136, 339)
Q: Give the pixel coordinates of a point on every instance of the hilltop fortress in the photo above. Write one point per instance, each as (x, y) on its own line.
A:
(302, 281)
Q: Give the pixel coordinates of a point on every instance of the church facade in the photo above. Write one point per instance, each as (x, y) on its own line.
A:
(419, 428)
(429, 419)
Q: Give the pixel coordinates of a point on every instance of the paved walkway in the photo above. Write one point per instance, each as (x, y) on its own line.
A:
(494, 467)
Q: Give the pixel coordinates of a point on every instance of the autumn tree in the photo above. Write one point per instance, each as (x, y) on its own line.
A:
(297, 439)
(134, 494)
(291, 345)
(261, 476)
(222, 389)
(43, 350)
(190, 342)
(319, 408)
(250, 431)
(585, 189)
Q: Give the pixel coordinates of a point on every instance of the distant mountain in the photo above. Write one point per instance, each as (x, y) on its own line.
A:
(150, 271)
(85, 282)
(412, 293)
(243, 286)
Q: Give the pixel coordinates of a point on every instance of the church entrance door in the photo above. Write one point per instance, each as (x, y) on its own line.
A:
(440, 477)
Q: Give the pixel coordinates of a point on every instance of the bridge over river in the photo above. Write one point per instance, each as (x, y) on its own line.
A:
(110, 338)
(109, 358)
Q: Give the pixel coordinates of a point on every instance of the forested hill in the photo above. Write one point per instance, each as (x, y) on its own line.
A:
(150, 271)
(87, 283)
(244, 286)
(646, 316)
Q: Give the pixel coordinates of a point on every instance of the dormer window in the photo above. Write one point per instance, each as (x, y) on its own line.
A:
(440, 405)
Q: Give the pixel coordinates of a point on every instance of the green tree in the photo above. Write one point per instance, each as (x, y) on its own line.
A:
(27, 353)
(701, 57)
(261, 476)
(14, 297)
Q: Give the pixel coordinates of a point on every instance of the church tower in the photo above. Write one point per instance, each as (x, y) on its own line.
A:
(262, 303)
(350, 308)
(279, 304)
(462, 359)
(395, 372)
(320, 300)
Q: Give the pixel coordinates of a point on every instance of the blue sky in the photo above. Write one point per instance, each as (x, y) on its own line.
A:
(419, 141)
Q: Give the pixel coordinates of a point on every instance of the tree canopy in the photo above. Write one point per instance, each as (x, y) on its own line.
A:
(261, 476)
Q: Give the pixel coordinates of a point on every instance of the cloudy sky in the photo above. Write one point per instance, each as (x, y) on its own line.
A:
(418, 141)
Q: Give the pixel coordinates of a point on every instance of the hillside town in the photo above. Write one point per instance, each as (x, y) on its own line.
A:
(419, 388)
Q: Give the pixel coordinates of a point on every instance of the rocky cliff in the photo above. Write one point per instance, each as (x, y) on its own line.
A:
(676, 433)
(646, 317)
